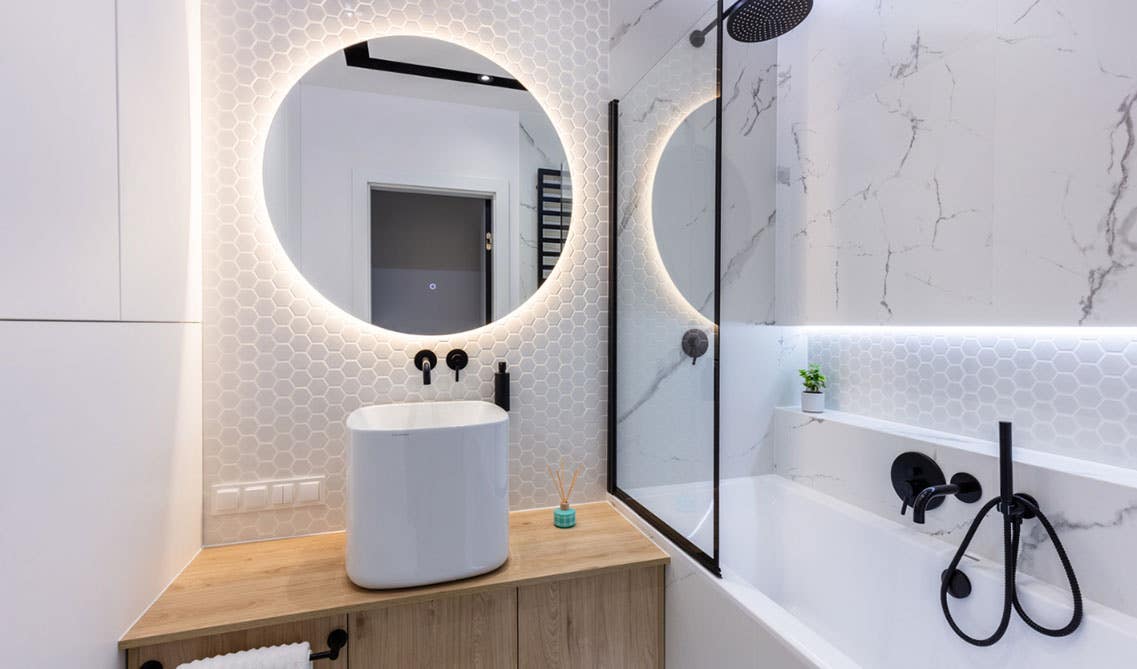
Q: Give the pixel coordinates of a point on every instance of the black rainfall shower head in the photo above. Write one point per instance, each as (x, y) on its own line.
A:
(761, 20)
(758, 20)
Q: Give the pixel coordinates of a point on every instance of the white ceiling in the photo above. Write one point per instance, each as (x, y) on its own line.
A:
(333, 72)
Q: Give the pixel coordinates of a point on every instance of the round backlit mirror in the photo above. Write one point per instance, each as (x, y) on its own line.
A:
(683, 208)
(417, 185)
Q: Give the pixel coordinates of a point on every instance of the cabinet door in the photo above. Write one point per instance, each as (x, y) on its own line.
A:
(477, 630)
(611, 620)
(315, 632)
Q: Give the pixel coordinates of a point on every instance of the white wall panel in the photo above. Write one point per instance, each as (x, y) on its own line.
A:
(58, 168)
(158, 65)
(102, 490)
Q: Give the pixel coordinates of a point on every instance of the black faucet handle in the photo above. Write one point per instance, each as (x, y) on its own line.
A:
(457, 361)
(914, 486)
(912, 472)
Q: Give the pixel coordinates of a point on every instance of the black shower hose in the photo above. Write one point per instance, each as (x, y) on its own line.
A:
(1012, 524)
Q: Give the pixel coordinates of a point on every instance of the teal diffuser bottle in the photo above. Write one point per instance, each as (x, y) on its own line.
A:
(564, 516)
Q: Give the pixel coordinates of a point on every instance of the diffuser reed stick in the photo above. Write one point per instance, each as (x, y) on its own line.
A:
(559, 480)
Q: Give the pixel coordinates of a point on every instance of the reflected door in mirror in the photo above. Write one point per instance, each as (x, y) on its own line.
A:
(431, 261)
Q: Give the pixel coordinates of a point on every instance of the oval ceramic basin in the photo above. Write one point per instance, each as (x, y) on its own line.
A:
(428, 495)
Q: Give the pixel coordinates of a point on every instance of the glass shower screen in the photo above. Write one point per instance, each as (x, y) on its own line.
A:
(664, 422)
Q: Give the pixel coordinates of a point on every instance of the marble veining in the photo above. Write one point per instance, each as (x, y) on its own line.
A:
(620, 31)
(911, 164)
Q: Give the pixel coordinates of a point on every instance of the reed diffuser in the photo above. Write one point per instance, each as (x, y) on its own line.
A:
(564, 516)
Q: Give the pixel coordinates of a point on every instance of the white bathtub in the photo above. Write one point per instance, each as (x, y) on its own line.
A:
(841, 588)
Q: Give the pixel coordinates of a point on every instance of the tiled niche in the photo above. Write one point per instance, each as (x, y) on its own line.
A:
(284, 367)
(1068, 392)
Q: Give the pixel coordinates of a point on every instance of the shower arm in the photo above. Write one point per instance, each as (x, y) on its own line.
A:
(699, 37)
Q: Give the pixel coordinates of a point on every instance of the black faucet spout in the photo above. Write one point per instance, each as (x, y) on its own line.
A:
(920, 503)
(426, 360)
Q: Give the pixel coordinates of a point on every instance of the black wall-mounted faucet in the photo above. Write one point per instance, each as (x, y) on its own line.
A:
(920, 484)
(426, 360)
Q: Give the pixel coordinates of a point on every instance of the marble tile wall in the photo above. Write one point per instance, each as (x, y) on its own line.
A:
(760, 359)
(283, 367)
(958, 162)
(642, 32)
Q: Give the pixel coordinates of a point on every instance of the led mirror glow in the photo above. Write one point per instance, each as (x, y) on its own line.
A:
(683, 208)
(417, 185)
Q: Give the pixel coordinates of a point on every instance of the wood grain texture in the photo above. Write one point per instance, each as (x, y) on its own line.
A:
(237, 587)
(476, 631)
(315, 632)
(607, 620)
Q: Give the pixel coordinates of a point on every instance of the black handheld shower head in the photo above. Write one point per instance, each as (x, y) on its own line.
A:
(758, 20)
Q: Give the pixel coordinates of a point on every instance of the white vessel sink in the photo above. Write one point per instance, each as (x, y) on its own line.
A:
(428, 495)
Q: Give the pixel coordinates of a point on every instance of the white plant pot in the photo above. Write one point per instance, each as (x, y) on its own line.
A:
(813, 402)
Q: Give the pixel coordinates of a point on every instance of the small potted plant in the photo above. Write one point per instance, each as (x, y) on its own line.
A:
(813, 397)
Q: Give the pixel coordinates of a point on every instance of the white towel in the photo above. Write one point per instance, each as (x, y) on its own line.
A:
(292, 656)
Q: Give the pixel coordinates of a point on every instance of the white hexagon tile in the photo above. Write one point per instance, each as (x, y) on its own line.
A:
(284, 367)
(1068, 392)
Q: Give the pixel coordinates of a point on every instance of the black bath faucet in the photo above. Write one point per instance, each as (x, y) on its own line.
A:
(964, 486)
(920, 484)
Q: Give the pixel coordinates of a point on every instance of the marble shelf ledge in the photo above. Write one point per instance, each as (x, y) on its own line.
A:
(1027, 456)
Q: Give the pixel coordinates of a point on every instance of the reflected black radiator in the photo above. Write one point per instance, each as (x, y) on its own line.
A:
(554, 211)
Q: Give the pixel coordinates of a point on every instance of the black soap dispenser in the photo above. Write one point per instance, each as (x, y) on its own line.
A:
(501, 387)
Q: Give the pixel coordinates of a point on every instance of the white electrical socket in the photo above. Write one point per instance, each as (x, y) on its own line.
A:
(252, 496)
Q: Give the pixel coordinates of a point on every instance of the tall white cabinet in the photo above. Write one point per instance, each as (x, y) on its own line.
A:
(100, 318)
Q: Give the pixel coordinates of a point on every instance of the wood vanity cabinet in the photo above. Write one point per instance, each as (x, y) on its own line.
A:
(477, 630)
(592, 598)
(609, 620)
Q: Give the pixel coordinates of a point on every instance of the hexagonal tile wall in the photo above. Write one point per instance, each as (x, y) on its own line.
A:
(1069, 393)
(284, 367)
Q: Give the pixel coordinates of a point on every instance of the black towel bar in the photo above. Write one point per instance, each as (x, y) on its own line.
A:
(336, 641)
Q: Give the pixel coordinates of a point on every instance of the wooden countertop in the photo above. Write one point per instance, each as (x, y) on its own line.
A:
(229, 588)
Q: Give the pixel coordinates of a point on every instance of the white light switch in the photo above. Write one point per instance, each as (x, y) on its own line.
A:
(308, 492)
(255, 497)
(282, 493)
(272, 494)
(226, 500)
